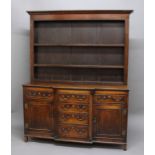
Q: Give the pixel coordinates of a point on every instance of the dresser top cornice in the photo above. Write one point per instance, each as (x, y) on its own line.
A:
(39, 12)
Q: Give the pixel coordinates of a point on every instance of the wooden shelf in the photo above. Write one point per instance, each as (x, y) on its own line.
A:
(80, 66)
(79, 45)
(82, 82)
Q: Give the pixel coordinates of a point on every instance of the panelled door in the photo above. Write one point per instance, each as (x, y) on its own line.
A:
(38, 111)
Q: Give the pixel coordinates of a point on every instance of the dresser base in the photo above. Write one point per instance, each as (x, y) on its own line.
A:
(79, 115)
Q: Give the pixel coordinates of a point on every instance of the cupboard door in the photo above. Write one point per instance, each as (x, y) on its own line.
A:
(38, 114)
(109, 118)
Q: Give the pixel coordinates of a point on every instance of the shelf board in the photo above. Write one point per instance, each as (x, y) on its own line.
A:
(80, 66)
(86, 82)
(79, 45)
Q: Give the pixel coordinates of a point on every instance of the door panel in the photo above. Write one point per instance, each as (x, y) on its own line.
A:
(108, 121)
(39, 116)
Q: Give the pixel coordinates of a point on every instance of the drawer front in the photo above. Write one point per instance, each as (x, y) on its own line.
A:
(110, 96)
(37, 93)
(73, 131)
(71, 107)
(73, 96)
(73, 118)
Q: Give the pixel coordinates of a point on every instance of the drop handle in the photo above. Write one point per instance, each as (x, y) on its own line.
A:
(94, 119)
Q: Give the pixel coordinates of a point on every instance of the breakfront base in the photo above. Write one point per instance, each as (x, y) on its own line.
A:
(82, 114)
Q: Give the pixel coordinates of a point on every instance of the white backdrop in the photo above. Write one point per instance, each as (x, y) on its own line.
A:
(20, 43)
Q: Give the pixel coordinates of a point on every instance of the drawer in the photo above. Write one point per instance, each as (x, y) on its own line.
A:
(73, 96)
(73, 131)
(70, 107)
(73, 118)
(37, 93)
(110, 96)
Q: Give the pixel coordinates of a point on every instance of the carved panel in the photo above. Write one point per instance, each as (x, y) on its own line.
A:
(73, 131)
(73, 97)
(80, 118)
